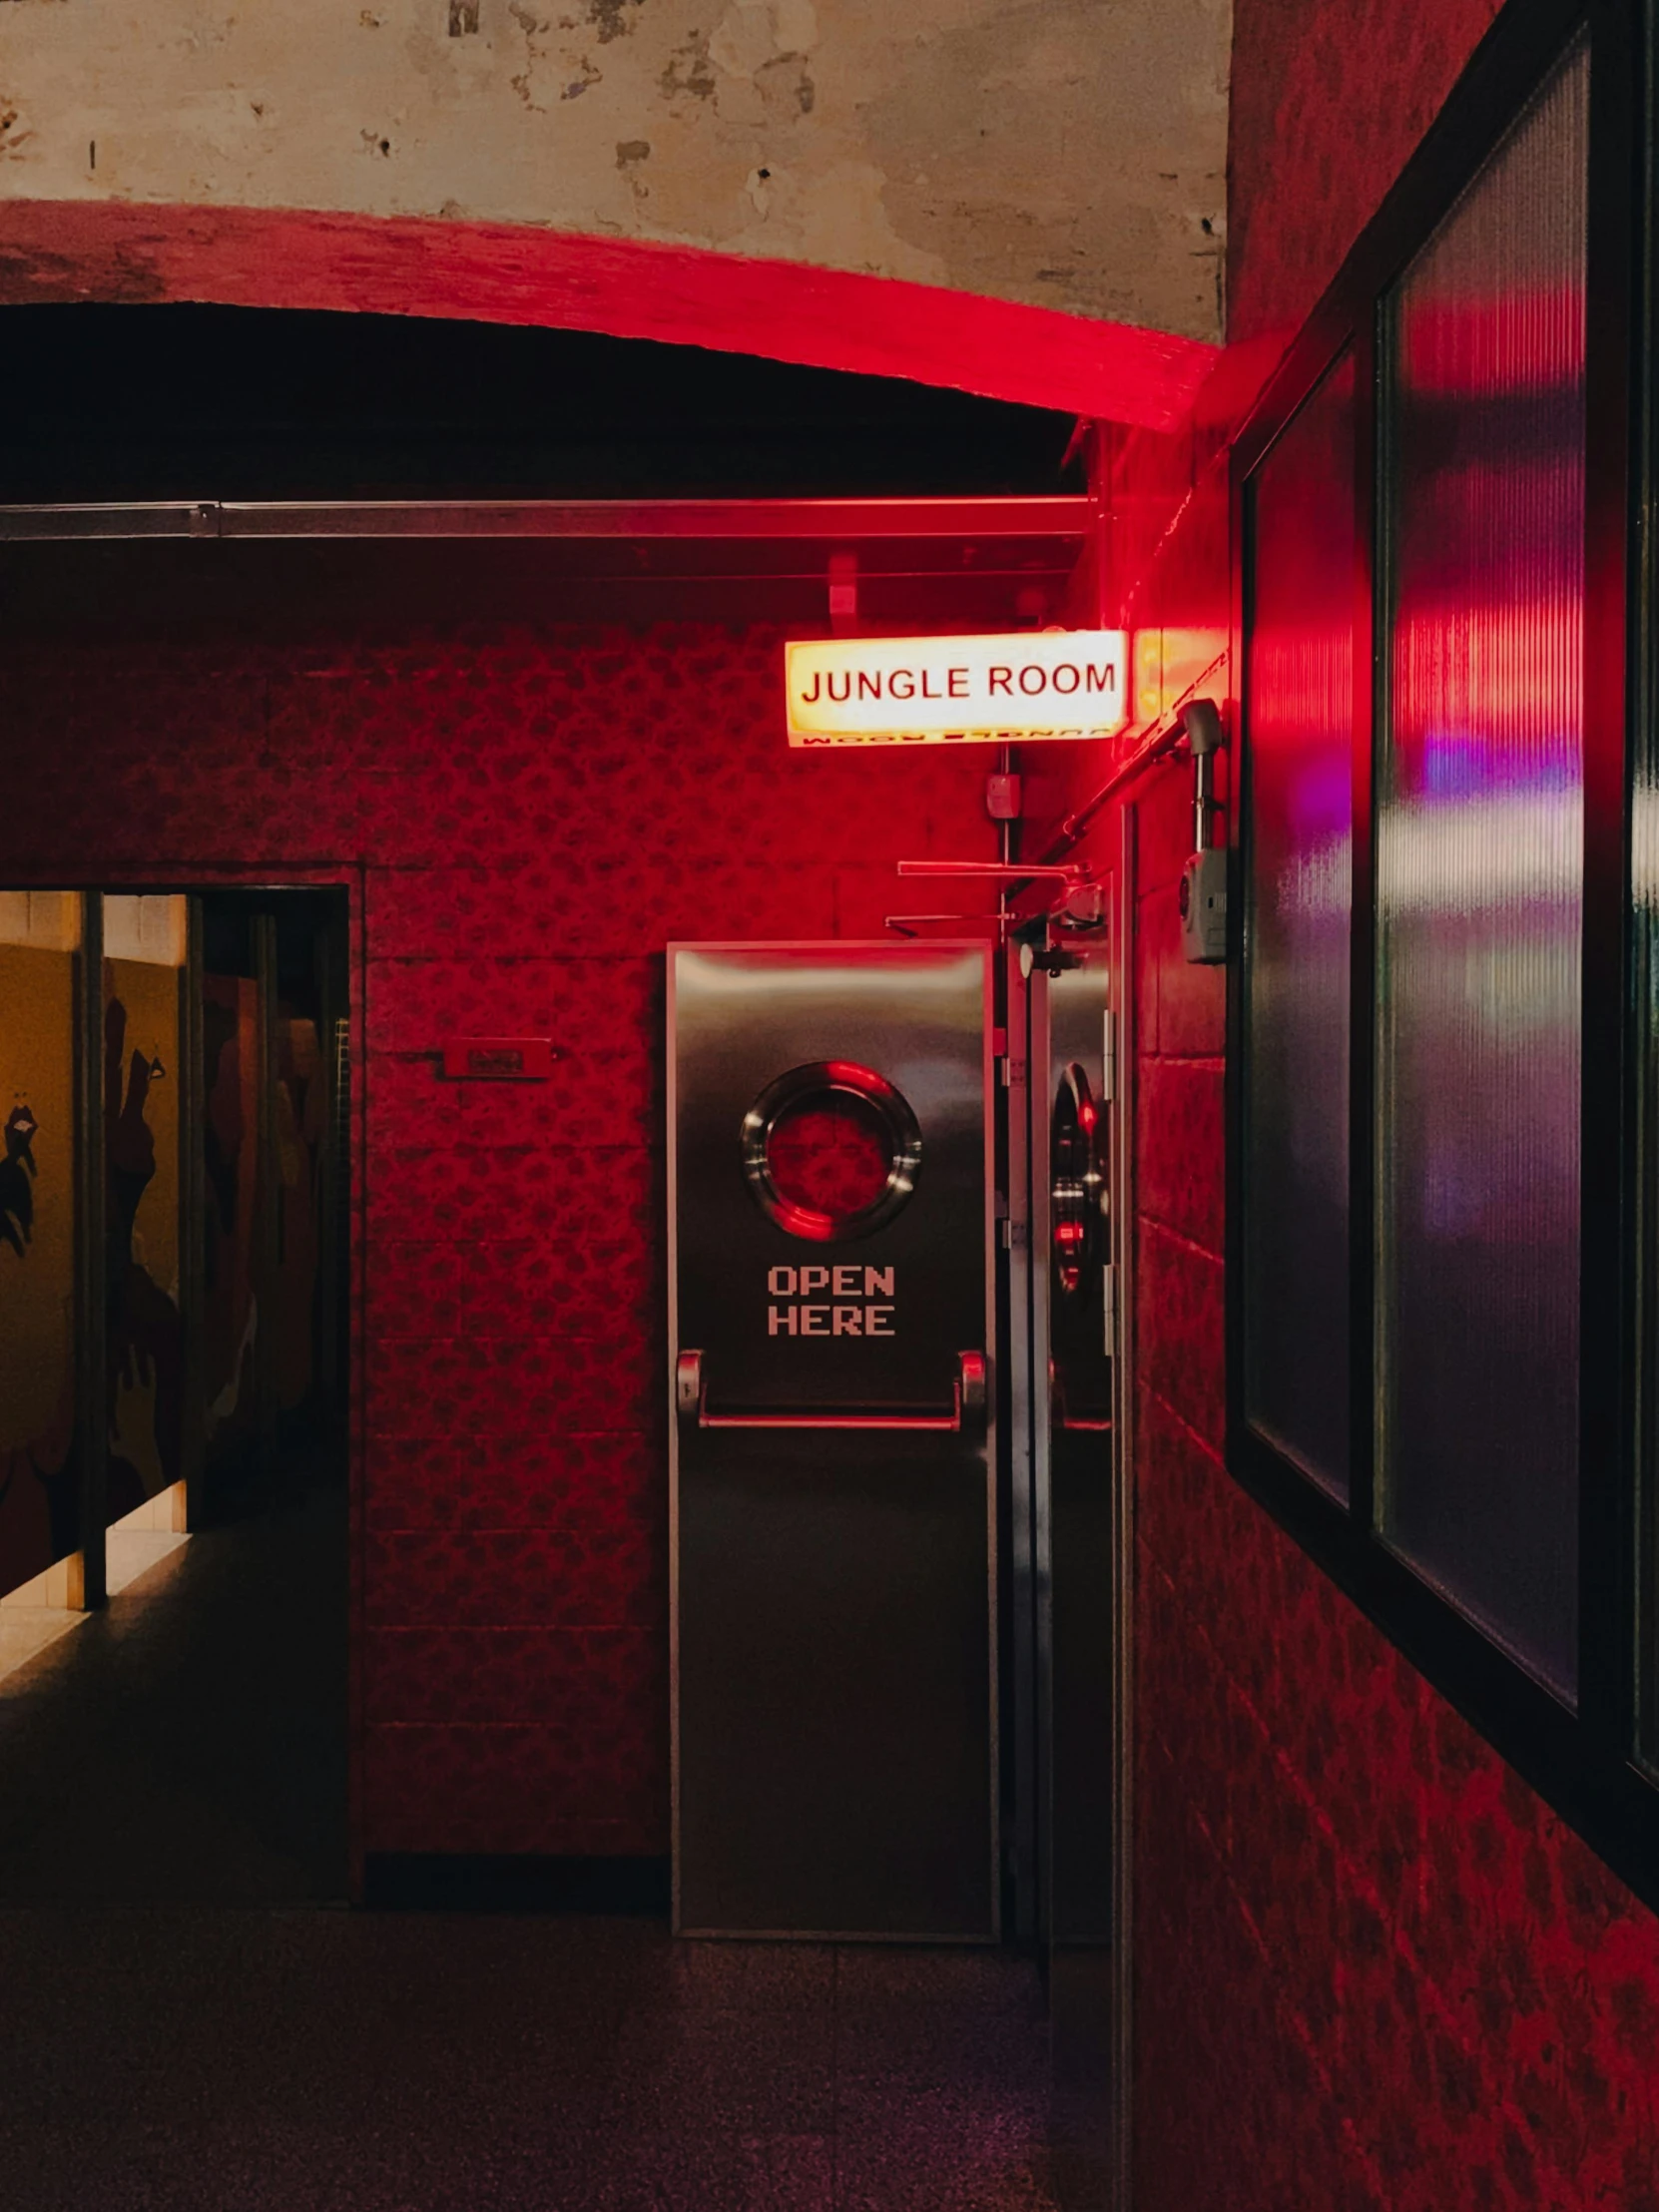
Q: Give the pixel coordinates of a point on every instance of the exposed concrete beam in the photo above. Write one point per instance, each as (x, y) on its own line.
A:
(511, 273)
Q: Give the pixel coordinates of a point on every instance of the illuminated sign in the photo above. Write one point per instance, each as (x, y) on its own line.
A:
(1033, 685)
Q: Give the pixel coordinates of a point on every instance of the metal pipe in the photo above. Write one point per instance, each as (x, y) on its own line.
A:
(1042, 516)
(1002, 871)
(1150, 750)
(908, 924)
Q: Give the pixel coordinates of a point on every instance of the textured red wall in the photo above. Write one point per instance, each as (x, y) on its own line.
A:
(1330, 97)
(533, 818)
(1372, 1971)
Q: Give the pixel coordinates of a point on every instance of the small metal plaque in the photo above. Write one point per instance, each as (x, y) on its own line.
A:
(500, 1059)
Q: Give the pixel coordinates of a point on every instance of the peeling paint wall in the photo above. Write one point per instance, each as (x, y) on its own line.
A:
(1060, 153)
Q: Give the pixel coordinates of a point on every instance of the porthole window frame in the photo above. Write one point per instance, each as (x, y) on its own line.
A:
(789, 1094)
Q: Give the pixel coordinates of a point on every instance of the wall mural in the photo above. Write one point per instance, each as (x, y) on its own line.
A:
(17, 1174)
(142, 1222)
(38, 1463)
(144, 1170)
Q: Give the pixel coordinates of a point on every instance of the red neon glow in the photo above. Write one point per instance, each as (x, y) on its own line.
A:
(1511, 341)
(73, 250)
(831, 1158)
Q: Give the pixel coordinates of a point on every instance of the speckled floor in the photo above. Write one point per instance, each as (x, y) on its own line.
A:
(278, 2061)
(189, 2024)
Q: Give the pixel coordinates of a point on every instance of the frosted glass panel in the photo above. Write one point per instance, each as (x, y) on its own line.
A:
(1300, 722)
(1479, 865)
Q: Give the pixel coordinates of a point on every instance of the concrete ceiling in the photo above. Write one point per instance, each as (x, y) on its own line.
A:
(1063, 154)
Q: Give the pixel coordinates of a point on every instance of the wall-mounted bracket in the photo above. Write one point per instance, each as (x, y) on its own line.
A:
(1203, 878)
(1079, 904)
(844, 594)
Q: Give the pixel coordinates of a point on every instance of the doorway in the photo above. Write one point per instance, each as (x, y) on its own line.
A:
(172, 1523)
(834, 1447)
(1081, 1121)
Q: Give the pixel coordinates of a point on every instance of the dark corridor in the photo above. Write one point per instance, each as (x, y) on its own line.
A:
(487, 745)
(190, 2024)
(185, 1745)
(1164, 499)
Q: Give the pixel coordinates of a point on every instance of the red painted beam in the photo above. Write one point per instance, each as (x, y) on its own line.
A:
(65, 250)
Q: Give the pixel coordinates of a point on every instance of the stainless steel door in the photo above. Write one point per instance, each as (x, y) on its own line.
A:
(834, 1510)
(1077, 1179)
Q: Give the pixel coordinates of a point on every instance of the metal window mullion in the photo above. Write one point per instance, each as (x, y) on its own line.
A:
(193, 1227)
(1368, 1152)
(269, 1194)
(1612, 681)
(1121, 2058)
(91, 1260)
(1643, 979)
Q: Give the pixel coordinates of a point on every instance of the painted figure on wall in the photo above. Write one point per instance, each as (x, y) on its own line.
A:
(146, 1349)
(231, 1319)
(17, 1174)
(39, 1462)
(37, 1498)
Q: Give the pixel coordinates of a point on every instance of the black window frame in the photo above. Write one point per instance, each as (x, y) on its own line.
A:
(1596, 1766)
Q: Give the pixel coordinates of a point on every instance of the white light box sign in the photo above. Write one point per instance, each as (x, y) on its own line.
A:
(1032, 686)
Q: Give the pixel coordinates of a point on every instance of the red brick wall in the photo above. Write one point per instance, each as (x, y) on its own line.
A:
(530, 818)
(1373, 1973)
(1330, 97)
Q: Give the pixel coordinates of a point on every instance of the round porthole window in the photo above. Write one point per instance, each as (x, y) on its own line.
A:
(1078, 1186)
(830, 1150)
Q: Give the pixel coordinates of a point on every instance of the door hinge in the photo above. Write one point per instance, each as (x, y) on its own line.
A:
(1109, 1308)
(1109, 1056)
(1016, 1235)
(1013, 1073)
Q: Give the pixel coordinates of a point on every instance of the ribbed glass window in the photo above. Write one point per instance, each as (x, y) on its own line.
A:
(1479, 876)
(1300, 734)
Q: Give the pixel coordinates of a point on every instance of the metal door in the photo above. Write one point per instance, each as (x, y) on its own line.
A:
(834, 1507)
(1077, 1132)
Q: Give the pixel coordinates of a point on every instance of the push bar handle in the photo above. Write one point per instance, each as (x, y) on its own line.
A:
(968, 1401)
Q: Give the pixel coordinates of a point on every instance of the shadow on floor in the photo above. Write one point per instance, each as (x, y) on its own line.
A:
(188, 1743)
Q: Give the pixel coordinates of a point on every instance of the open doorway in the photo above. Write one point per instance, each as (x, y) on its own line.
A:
(173, 1527)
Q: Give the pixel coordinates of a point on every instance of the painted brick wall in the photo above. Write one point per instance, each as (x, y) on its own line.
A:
(1373, 1972)
(533, 817)
(1330, 97)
